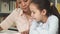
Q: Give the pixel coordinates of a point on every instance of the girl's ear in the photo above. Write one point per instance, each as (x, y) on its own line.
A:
(43, 12)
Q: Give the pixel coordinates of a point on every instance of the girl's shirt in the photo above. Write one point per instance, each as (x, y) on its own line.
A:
(50, 27)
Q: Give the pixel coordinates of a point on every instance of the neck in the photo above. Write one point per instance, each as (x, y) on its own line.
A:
(28, 14)
(45, 19)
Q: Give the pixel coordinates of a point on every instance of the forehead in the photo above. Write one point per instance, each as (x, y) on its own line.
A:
(33, 6)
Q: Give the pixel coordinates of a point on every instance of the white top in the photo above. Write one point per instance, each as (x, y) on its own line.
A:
(15, 17)
(50, 27)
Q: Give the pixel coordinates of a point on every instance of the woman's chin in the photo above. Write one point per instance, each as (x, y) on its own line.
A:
(25, 10)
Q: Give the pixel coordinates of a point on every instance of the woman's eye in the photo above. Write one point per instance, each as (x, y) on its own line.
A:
(19, 2)
(25, 0)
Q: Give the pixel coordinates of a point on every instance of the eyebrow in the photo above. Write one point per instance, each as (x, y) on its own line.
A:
(18, 0)
(24, 0)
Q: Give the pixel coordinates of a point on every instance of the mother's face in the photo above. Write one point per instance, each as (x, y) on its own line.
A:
(24, 4)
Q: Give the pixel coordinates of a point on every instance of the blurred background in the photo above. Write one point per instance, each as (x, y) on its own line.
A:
(7, 6)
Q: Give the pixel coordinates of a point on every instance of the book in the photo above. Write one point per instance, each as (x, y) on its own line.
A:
(4, 7)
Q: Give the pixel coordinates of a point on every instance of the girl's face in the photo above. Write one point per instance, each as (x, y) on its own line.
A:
(35, 12)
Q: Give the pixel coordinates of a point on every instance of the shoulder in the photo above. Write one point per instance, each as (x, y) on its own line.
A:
(17, 10)
(53, 17)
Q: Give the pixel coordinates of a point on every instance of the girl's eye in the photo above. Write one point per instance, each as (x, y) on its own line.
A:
(33, 12)
(25, 0)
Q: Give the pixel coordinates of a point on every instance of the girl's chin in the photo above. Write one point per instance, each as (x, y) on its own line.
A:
(36, 20)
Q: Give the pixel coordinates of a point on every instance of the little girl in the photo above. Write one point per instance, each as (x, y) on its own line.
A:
(45, 20)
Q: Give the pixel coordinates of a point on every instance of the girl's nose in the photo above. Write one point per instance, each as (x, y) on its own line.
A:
(32, 15)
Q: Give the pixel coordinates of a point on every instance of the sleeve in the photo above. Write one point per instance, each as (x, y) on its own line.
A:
(5, 24)
(53, 25)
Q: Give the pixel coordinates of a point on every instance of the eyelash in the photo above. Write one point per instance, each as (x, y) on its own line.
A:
(25, 0)
(19, 2)
(33, 12)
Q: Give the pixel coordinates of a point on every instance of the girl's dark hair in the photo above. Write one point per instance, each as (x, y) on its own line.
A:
(45, 4)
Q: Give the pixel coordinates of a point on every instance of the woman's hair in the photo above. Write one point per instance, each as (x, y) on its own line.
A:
(45, 4)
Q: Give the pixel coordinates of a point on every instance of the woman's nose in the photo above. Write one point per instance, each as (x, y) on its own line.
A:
(23, 4)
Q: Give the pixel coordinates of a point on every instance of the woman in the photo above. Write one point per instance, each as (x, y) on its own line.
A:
(20, 16)
(45, 19)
